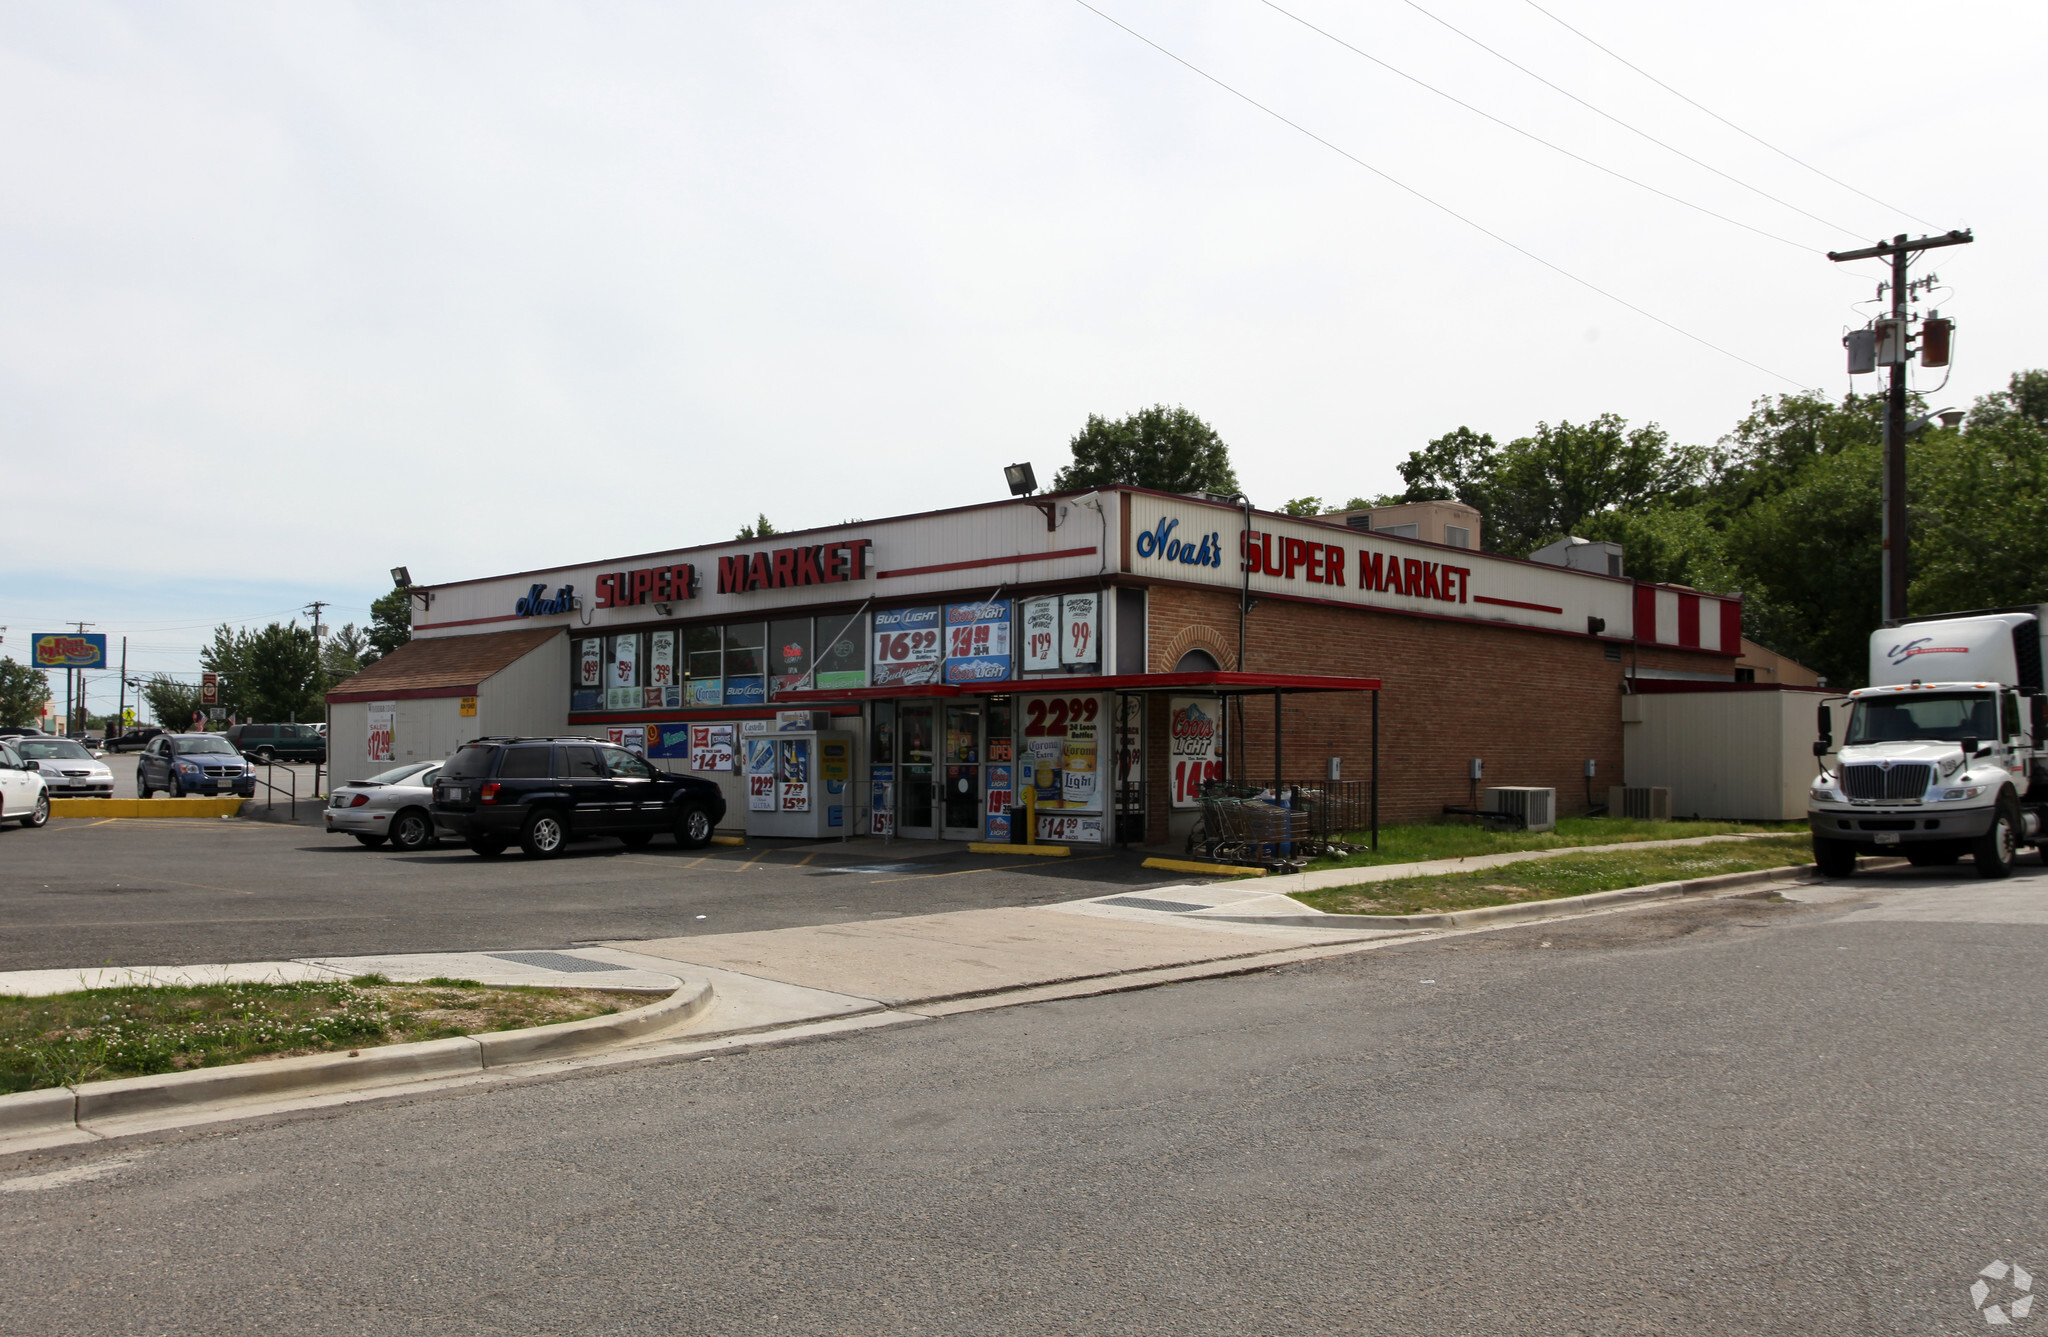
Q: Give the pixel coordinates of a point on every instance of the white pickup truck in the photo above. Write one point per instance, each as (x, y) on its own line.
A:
(1939, 757)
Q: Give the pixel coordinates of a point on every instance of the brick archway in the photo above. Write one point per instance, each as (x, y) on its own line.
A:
(1198, 637)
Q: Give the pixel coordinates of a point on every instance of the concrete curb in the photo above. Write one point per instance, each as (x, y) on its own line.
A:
(61, 1109)
(1209, 869)
(145, 807)
(1320, 878)
(1550, 909)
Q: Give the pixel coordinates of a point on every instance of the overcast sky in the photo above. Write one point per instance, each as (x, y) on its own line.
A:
(292, 294)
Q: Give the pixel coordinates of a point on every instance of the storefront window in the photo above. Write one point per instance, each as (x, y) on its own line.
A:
(963, 734)
(622, 673)
(1001, 725)
(882, 743)
(743, 650)
(703, 653)
(789, 653)
(917, 734)
(844, 661)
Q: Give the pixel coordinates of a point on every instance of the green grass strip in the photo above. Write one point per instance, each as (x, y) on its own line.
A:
(94, 1034)
(1564, 875)
(1421, 841)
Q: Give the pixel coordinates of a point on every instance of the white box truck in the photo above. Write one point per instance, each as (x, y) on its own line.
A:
(1938, 760)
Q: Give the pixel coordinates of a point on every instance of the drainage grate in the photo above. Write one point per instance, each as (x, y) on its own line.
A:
(1145, 903)
(561, 961)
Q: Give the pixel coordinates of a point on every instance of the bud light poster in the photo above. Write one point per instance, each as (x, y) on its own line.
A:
(1195, 755)
(1000, 796)
(908, 647)
(978, 641)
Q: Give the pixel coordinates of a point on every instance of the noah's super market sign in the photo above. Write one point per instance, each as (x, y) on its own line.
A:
(1188, 541)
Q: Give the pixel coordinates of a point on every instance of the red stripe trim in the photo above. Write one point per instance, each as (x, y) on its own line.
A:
(1019, 559)
(1515, 603)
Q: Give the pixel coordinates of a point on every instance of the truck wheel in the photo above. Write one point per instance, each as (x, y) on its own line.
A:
(544, 834)
(693, 828)
(1834, 858)
(1994, 851)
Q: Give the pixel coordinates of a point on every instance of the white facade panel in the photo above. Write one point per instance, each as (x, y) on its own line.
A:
(1710, 624)
(1667, 620)
(1189, 540)
(899, 561)
(1731, 756)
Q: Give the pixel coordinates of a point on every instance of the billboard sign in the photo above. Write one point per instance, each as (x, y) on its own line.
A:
(70, 649)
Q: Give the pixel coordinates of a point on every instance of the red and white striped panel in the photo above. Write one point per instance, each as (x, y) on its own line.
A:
(1688, 620)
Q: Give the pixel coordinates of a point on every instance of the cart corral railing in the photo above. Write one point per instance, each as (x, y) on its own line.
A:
(1263, 828)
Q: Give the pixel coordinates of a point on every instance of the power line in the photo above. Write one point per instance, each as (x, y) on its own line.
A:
(1444, 208)
(1723, 119)
(1509, 125)
(1625, 125)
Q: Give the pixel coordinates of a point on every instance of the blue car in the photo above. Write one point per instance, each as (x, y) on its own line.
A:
(193, 763)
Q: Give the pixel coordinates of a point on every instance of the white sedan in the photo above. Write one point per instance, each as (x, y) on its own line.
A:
(66, 767)
(394, 806)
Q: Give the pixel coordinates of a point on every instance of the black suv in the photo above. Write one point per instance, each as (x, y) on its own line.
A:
(544, 792)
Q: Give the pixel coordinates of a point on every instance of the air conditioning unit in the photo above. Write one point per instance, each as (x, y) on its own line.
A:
(1648, 803)
(1536, 809)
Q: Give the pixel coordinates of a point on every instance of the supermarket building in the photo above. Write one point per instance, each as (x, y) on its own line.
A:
(1107, 649)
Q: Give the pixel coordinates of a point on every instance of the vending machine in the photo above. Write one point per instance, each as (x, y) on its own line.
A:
(799, 776)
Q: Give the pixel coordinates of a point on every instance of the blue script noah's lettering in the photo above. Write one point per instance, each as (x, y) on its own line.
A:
(1160, 542)
(533, 605)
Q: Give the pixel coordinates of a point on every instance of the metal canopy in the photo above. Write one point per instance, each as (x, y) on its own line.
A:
(1215, 683)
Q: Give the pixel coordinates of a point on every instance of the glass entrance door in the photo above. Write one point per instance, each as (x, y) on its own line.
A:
(916, 794)
(961, 802)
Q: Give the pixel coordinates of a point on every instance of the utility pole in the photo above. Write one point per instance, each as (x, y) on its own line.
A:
(1892, 348)
(121, 710)
(69, 673)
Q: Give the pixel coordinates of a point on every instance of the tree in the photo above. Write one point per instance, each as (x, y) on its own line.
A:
(1168, 449)
(760, 529)
(281, 677)
(171, 703)
(390, 622)
(1546, 485)
(1304, 506)
(344, 653)
(24, 691)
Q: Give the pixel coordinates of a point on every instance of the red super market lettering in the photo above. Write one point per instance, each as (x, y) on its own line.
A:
(819, 564)
(1381, 572)
(659, 584)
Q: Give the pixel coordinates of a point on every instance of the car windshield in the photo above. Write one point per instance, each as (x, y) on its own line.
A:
(52, 749)
(1925, 717)
(470, 763)
(398, 774)
(209, 743)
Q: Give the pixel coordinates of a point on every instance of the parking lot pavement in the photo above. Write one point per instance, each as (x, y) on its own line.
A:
(140, 892)
(283, 776)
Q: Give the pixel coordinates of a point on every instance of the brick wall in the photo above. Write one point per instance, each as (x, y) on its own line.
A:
(1534, 706)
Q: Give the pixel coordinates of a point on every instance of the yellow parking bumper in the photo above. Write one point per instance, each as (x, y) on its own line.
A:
(145, 807)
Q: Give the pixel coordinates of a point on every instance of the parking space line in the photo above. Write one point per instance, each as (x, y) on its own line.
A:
(993, 868)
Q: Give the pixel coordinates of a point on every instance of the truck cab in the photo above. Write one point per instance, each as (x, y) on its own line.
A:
(1939, 759)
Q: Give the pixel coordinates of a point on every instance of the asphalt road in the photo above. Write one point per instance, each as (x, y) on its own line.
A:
(186, 892)
(1716, 1118)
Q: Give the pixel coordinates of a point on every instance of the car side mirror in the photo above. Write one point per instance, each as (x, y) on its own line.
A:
(1822, 746)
